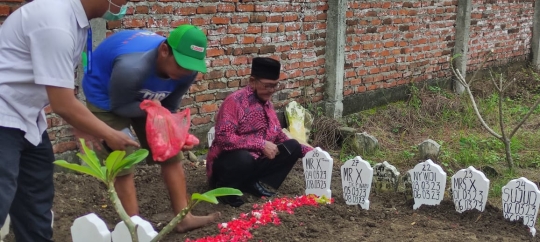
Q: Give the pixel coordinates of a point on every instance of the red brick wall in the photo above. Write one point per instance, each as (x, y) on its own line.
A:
(502, 25)
(7, 7)
(386, 43)
(292, 32)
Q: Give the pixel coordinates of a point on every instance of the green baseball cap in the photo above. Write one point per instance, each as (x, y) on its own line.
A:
(189, 47)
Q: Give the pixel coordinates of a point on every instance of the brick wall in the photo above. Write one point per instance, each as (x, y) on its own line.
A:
(292, 32)
(504, 26)
(387, 42)
(7, 7)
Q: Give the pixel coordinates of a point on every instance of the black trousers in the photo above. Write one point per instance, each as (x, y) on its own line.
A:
(26, 185)
(238, 168)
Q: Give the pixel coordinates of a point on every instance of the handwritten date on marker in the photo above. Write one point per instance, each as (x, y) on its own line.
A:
(470, 189)
(428, 183)
(521, 198)
(318, 172)
(356, 178)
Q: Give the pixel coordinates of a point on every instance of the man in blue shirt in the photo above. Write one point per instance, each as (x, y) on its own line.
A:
(135, 65)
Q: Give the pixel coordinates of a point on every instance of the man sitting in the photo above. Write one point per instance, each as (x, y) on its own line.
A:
(249, 145)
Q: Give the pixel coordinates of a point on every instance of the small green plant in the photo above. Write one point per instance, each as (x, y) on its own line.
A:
(116, 162)
(414, 100)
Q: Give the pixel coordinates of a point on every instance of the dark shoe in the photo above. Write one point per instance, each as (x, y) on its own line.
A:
(233, 201)
(258, 190)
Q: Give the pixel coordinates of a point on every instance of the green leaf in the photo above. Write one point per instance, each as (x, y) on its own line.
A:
(81, 169)
(90, 158)
(90, 153)
(130, 160)
(135, 158)
(91, 165)
(223, 191)
(204, 197)
(111, 162)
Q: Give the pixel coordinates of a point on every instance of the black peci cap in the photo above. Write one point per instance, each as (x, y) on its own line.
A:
(265, 67)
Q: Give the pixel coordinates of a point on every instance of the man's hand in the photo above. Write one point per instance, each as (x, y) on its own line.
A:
(156, 102)
(64, 103)
(187, 147)
(270, 150)
(91, 141)
(118, 140)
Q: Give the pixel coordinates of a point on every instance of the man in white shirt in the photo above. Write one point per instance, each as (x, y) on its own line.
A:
(40, 46)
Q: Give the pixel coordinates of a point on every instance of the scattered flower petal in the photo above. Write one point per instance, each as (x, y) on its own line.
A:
(239, 229)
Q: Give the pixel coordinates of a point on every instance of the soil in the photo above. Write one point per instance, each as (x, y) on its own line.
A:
(389, 218)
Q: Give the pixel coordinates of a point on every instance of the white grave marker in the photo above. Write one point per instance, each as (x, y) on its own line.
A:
(318, 172)
(385, 176)
(90, 228)
(470, 189)
(428, 183)
(356, 177)
(521, 198)
(145, 231)
(211, 135)
(295, 115)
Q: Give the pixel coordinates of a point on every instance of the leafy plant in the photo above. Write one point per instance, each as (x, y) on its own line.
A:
(498, 81)
(209, 196)
(116, 162)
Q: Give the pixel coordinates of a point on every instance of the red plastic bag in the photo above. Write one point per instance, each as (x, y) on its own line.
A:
(166, 132)
(192, 140)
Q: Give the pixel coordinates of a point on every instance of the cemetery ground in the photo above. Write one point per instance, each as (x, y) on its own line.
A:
(430, 113)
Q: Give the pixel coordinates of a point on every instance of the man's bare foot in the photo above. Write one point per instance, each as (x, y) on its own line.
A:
(191, 222)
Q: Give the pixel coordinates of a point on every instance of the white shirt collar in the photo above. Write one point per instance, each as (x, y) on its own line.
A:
(82, 19)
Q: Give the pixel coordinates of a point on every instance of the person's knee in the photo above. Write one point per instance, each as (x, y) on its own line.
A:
(244, 157)
(238, 157)
(172, 168)
(233, 162)
(126, 174)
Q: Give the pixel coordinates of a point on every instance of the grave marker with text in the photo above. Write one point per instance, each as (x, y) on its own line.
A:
(521, 198)
(356, 178)
(385, 176)
(318, 172)
(428, 183)
(211, 135)
(470, 189)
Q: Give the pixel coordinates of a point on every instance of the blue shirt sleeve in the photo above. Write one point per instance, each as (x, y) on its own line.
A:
(127, 79)
(172, 102)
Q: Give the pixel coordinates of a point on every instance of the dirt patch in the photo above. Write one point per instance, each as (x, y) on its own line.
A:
(389, 218)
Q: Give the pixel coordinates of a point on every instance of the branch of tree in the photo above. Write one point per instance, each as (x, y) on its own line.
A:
(501, 98)
(481, 66)
(509, 83)
(525, 118)
(498, 87)
(459, 76)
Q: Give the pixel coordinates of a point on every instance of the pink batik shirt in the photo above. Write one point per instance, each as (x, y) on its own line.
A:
(243, 122)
